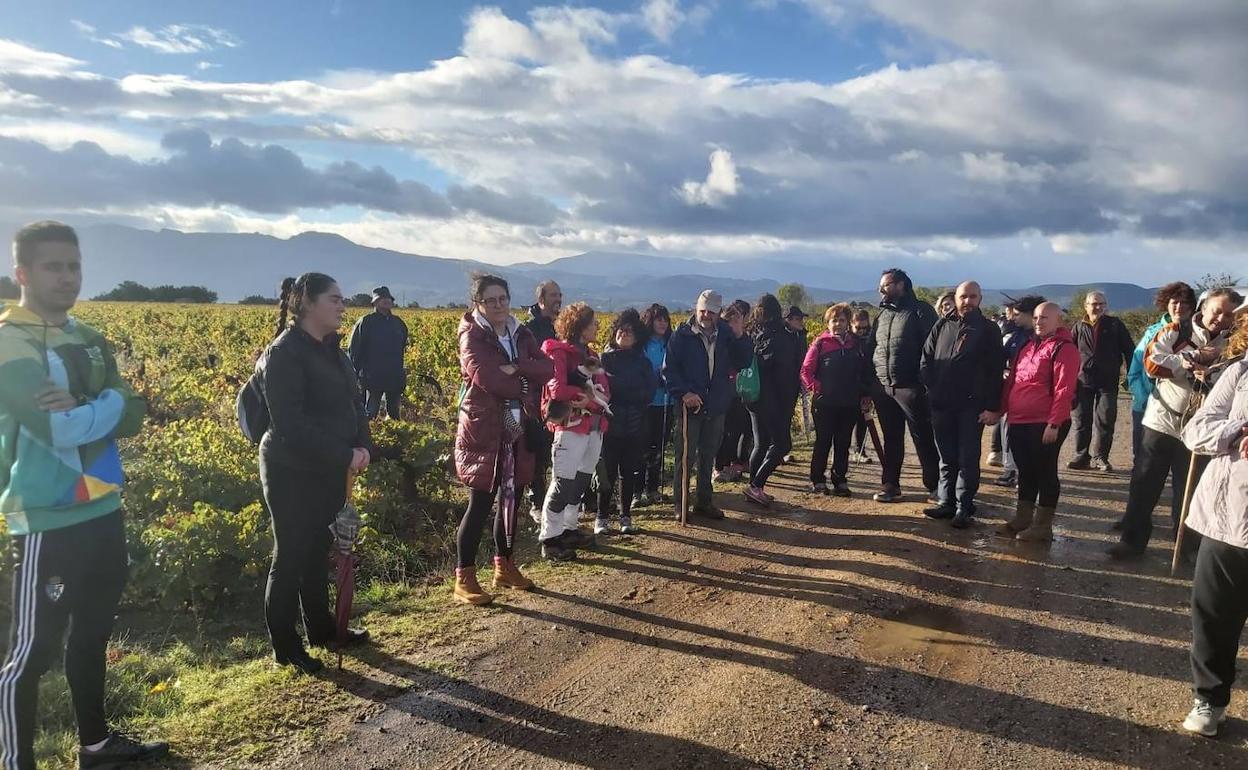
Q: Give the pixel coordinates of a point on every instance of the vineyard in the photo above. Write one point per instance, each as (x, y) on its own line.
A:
(199, 536)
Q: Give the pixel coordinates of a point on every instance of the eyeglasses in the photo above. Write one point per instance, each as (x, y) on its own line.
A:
(496, 301)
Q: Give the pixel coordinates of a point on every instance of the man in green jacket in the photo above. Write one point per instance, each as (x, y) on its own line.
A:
(63, 405)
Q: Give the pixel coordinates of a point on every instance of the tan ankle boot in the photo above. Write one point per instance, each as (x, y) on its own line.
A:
(508, 575)
(1041, 529)
(467, 589)
(1023, 514)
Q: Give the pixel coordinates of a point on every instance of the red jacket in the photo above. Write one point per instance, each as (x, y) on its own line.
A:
(1040, 388)
(566, 357)
(479, 437)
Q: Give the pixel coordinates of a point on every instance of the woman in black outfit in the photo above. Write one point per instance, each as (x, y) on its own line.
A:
(779, 353)
(318, 433)
(633, 381)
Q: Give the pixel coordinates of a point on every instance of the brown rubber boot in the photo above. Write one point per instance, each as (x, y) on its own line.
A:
(1041, 529)
(1023, 514)
(467, 589)
(508, 575)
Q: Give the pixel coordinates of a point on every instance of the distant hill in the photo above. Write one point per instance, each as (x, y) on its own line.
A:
(237, 265)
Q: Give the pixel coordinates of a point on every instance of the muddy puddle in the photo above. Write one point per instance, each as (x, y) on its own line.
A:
(931, 632)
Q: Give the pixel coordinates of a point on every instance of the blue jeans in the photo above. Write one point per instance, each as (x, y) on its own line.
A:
(959, 439)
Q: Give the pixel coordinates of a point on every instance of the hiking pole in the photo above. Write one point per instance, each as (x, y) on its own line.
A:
(875, 436)
(1187, 502)
(684, 465)
(806, 414)
(1187, 492)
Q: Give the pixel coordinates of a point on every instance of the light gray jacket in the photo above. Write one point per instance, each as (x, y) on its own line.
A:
(1220, 506)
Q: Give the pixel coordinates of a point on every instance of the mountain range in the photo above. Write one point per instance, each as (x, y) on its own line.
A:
(236, 265)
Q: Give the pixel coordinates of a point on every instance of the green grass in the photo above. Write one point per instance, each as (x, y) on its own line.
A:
(216, 695)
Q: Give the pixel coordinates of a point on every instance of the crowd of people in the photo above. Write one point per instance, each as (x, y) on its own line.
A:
(542, 414)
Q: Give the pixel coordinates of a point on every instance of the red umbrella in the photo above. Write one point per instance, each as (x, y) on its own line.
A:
(346, 529)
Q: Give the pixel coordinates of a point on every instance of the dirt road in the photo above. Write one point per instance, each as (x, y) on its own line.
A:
(822, 633)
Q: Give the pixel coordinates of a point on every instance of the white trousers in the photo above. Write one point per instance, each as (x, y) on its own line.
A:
(573, 458)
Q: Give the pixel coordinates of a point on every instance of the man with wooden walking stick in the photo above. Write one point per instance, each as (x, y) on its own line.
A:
(1180, 358)
(701, 355)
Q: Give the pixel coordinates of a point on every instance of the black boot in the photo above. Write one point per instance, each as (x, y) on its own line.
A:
(940, 512)
(555, 550)
(301, 661)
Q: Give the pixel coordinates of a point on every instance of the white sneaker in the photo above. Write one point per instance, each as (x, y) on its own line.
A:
(1204, 719)
(601, 527)
(995, 460)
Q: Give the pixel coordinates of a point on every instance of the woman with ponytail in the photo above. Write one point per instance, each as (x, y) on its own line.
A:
(318, 433)
(503, 373)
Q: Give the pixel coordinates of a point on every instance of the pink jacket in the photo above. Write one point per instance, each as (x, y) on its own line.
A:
(566, 358)
(1041, 388)
(824, 343)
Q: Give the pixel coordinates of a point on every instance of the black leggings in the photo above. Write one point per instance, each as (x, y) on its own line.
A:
(773, 437)
(834, 426)
(860, 433)
(621, 457)
(1037, 462)
(468, 539)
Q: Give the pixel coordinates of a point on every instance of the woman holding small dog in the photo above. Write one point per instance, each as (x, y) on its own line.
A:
(575, 402)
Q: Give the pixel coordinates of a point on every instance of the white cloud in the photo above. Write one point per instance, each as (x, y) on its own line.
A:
(662, 18)
(180, 38)
(1067, 243)
(721, 182)
(1031, 126)
(20, 59)
(88, 31)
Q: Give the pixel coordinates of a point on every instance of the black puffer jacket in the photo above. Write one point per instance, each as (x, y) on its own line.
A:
(779, 350)
(897, 339)
(633, 382)
(963, 362)
(316, 414)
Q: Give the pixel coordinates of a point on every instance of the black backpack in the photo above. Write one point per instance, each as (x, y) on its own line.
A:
(251, 408)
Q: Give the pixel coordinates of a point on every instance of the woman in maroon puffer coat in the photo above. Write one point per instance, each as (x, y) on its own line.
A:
(503, 373)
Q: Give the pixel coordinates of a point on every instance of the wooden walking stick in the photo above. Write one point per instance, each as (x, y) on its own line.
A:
(684, 465)
(1187, 503)
(1187, 491)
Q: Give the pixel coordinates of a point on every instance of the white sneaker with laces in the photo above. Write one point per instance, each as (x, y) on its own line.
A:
(601, 527)
(1204, 719)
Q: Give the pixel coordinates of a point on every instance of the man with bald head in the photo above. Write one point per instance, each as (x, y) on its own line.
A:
(962, 365)
(1105, 347)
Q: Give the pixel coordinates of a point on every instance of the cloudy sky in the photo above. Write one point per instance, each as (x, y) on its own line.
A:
(1010, 140)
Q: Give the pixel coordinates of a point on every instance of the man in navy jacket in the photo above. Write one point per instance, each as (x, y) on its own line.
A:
(376, 351)
(702, 355)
